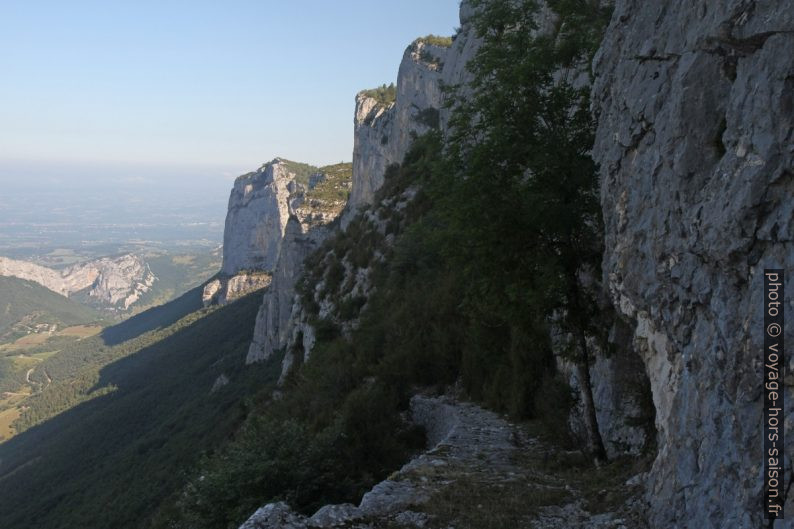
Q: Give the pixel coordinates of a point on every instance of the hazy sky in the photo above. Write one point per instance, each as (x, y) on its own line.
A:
(173, 83)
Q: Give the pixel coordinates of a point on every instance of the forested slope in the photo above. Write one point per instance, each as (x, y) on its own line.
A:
(132, 418)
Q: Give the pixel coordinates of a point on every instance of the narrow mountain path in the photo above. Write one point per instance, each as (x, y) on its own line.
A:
(36, 386)
(480, 472)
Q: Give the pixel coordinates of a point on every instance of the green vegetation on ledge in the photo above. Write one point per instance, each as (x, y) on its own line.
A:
(473, 253)
(524, 222)
(384, 94)
(334, 186)
(337, 428)
(301, 170)
(436, 40)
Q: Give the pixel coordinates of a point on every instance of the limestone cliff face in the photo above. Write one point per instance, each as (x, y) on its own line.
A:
(46, 277)
(116, 282)
(273, 328)
(695, 108)
(696, 117)
(261, 206)
(112, 282)
(382, 135)
(223, 290)
(277, 216)
(257, 218)
(383, 132)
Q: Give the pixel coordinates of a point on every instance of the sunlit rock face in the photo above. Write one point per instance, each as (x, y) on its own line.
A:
(273, 322)
(223, 290)
(117, 282)
(256, 219)
(695, 103)
(382, 134)
(262, 205)
(42, 275)
(111, 282)
(383, 131)
(277, 216)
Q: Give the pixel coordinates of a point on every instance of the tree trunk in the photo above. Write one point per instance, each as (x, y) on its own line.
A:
(596, 444)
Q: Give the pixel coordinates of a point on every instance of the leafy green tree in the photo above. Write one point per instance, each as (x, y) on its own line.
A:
(522, 195)
(384, 94)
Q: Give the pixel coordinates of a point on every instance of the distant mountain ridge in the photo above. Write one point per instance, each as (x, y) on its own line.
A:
(111, 282)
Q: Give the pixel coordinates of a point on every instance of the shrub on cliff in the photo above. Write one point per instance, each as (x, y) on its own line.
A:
(436, 40)
(384, 94)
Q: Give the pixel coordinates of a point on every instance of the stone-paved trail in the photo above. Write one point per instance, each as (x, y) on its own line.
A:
(480, 472)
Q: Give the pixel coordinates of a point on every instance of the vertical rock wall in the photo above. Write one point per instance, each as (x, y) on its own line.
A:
(256, 219)
(696, 146)
(273, 328)
(382, 135)
(384, 132)
(262, 206)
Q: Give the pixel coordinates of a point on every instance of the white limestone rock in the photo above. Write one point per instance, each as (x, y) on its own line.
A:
(223, 290)
(211, 291)
(46, 277)
(112, 282)
(275, 516)
(220, 382)
(271, 330)
(270, 210)
(257, 218)
(383, 133)
(465, 443)
(335, 515)
(119, 281)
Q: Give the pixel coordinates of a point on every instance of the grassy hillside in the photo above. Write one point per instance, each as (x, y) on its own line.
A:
(131, 418)
(158, 317)
(31, 316)
(26, 306)
(45, 337)
(336, 184)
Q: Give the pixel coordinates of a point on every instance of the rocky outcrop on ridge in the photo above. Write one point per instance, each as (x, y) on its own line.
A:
(221, 291)
(259, 207)
(46, 277)
(383, 131)
(383, 134)
(272, 328)
(262, 204)
(112, 282)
